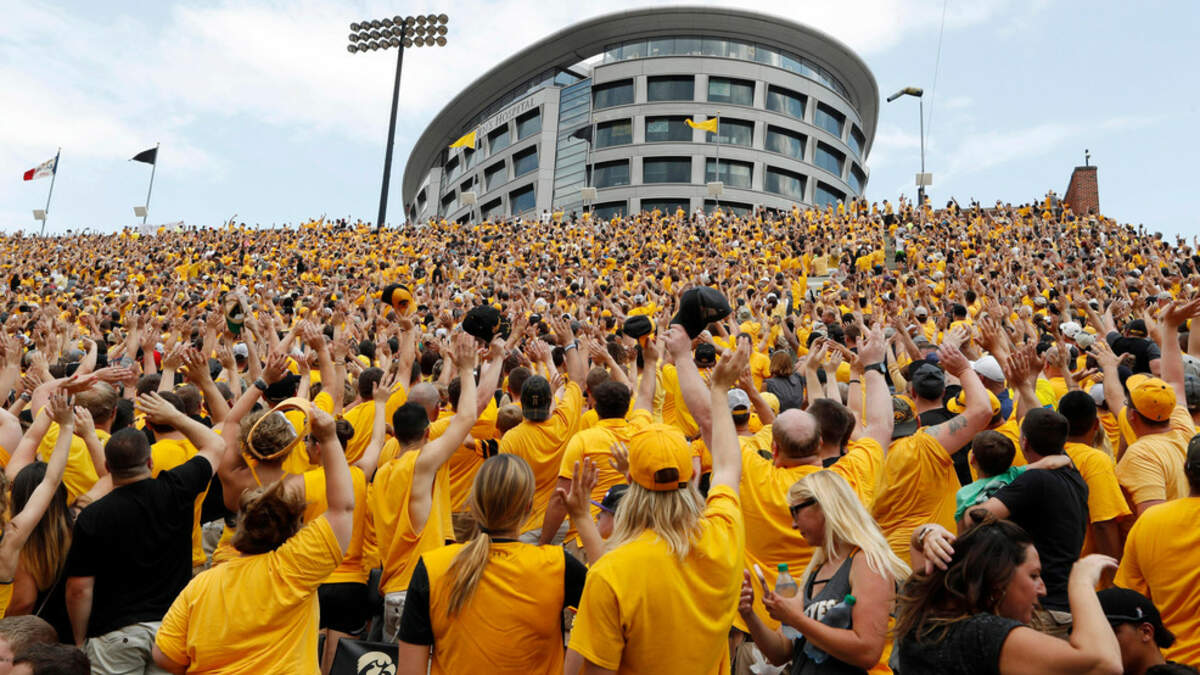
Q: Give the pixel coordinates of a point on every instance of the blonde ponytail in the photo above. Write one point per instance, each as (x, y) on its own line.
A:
(501, 499)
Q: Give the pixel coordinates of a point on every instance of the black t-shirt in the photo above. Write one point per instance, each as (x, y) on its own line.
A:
(789, 390)
(971, 647)
(137, 543)
(1144, 351)
(1052, 507)
(416, 628)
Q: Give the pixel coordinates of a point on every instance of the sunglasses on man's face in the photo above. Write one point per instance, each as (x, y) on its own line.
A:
(796, 508)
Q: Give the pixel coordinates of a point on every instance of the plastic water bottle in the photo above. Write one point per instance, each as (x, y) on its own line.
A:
(785, 586)
(838, 616)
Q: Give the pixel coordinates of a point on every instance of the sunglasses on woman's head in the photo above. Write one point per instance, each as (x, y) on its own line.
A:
(796, 508)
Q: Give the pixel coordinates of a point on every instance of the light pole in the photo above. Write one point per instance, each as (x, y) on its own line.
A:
(922, 179)
(427, 30)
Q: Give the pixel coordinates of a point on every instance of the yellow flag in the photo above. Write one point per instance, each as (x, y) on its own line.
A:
(467, 141)
(709, 125)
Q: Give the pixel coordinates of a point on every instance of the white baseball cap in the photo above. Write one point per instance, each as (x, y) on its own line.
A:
(989, 368)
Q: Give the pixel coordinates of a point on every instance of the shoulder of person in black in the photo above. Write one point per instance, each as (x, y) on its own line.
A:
(416, 626)
(969, 647)
(1052, 507)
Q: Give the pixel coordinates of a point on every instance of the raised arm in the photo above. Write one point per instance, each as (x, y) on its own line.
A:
(199, 375)
(572, 359)
(956, 432)
(726, 451)
(489, 375)
(384, 388)
(436, 452)
(60, 409)
(877, 419)
(691, 385)
(1173, 316)
(339, 487)
(644, 399)
(1021, 372)
(158, 410)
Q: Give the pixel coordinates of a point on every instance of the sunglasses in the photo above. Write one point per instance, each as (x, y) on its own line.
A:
(796, 508)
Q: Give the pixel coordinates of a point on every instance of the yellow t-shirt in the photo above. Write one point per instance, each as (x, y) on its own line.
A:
(400, 543)
(80, 474)
(596, 443)
(1152, 466)
(541, 444)
(1105, 499)
(362, 418)
(254, 614)
(675, 619)
(351, 570)
(1160, 562)
(519, 594)
(770, 537)
(917, 486)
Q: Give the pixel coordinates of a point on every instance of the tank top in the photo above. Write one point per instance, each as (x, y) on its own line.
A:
(831, 593)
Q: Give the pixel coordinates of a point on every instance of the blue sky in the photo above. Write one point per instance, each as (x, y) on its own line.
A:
(262, 112)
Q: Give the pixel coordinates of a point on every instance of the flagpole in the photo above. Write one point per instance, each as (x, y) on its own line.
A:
(153, 168)
(49, 194)
(717, 198)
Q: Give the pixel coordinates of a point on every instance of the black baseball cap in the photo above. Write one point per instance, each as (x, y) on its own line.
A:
(536, 398)
(482, 322)
(1124, 605)
(699, 307)
(638, 326)
(612, 498)
(706, 356)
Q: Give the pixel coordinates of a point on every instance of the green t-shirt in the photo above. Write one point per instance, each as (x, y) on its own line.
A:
(981, 490)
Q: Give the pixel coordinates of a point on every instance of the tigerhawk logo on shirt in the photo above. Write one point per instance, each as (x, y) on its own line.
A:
(375, 663)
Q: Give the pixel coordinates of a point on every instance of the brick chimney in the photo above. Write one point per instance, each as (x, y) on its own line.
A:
(1083, 195)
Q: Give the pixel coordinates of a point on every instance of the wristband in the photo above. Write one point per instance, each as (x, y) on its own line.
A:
(877, 367)
(569, 346)
(856, 381)
(261, 384)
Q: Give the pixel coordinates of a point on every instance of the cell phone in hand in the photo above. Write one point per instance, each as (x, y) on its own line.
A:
(762, 581)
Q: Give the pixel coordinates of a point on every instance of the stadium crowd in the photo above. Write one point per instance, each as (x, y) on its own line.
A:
(869, 438)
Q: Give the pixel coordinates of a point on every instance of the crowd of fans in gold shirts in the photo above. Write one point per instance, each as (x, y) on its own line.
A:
(865, 438)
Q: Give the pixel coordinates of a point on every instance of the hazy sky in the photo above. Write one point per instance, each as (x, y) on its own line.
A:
(262, 112)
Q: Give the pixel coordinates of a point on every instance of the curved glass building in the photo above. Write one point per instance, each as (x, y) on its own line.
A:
(604, 104)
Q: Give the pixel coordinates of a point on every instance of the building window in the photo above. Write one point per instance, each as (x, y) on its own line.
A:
(786, 142)
(421, 200)
(827, 196)
(731, 173)
(735, 208)
(499, 139)
(858, 179)
(611, 174)
(529, 124)
(494, 176)
(616, 132)
(667, 206)
(829, 159)
(725, 90)
(522, 200)
(492, 209)
(671, 88)
(612, 94)
(525, 161)
(449, 202)
(734, 132)
(607, 210)
(785, 101)
(829, 119)
(783, 182)
(857, 140)
(451, 170)
(665, 129)
(667, 170)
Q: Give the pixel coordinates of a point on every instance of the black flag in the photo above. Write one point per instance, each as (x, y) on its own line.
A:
(148, 156)
(583, 133)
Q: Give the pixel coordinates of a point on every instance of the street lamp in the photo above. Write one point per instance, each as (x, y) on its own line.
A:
(923, 179)
(428, 30)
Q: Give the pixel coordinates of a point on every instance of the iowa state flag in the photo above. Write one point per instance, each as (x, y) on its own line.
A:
(46, 168)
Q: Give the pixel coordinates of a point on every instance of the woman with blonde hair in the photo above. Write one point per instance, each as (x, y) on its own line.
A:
(851, 557)
(494, 603)
(258, 612)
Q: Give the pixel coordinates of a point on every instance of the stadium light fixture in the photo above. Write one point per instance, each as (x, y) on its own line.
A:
(397, 32)
(923, 178)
